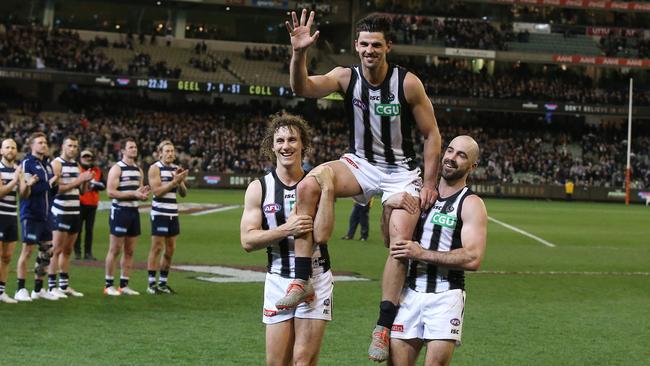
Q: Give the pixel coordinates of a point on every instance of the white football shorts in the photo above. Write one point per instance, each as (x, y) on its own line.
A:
(275, 288)
(374, 181)
(430, 316)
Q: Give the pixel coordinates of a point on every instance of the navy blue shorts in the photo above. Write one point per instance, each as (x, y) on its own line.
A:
(162, 225)
(124, 221)
(67, 223)
(8, 228)
(36, 231)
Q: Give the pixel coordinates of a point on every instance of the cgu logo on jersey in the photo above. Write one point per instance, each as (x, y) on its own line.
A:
(444, 220)
(272, 208)
(387, 109)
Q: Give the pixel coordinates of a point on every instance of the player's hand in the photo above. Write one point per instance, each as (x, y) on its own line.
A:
(300, 32)
(428, 196)
(86, 176)
(298, 225)
(54, 180)
(31, 180)
(180, 174)
(19, 174)
(406, 249)
(142, 193)
(404, 201)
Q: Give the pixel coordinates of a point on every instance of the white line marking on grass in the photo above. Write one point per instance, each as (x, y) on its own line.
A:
(230, 275)
(220, 209)
(563, 273)
(522, 232)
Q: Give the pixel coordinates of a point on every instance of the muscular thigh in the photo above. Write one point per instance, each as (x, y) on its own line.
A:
(439, 352)
(404, 352)
(309, 335)
(345, 183)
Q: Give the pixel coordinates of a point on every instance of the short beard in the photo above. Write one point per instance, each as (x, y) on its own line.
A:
(453, 177)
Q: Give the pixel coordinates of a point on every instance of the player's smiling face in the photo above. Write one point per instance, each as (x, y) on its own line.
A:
(372, 48)
(287, 146)
(456, 162)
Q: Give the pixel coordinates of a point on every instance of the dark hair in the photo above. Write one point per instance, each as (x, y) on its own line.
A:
(376, 23)
(125, 141)
(292, 122)
(69, 137)
(36, 135)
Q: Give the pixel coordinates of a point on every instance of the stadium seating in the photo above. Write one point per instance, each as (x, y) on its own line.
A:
(515, 148)
(555, 43)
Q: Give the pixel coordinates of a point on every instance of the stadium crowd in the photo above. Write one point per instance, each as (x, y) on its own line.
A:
(551, 83)
(141, 64)
(464, 33)
(620, 45)
(36, 47)
(226, 137)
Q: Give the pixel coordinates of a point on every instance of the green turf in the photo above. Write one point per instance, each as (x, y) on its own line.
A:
(524, 316)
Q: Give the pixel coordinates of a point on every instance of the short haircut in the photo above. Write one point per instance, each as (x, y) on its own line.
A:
(8, 139)
(71, 138)
(36, 135)
(376, 23)
(125, 141)
(292, 122)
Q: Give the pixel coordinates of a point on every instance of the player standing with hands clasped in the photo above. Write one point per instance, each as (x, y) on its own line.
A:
(166, 179)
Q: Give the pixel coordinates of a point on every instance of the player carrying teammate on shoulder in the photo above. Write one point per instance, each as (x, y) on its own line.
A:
(450, 239)
(384, 104)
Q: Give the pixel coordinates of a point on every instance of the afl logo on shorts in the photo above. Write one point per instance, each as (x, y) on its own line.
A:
(455, 322)
(272, 208)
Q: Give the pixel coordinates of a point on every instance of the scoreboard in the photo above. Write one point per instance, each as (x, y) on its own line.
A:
(198, 86)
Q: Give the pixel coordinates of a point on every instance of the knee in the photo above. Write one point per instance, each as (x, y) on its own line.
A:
(114, 251)
(301, 357)
(168, 255)
(6, 259)
(308, 189)
(156, 249)
(128, 252)
(25, 254)
(438, 362)
(67, 250)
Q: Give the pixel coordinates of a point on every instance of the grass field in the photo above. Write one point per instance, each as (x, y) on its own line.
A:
(583, 302)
